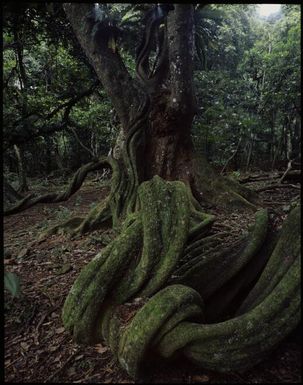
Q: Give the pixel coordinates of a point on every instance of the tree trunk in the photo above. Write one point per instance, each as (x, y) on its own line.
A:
(23, 187)
(169, 147)
(164, 146)
(10, 195)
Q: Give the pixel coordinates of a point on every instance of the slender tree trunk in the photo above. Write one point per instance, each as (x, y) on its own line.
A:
(277, 150)
(249, 152)
(296, 142)
(272, 136)
(58, 159)
(23, 186)
(10, 195)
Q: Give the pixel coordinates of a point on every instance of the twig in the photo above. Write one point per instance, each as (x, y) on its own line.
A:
(37, 334)
(11, 363)
(231, 157)
(62, 367)
(289, 166)
(80, 142)
(274, 203)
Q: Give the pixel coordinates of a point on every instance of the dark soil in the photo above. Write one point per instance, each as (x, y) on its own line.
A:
(38, 349)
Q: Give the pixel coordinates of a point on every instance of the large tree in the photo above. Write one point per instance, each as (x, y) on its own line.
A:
(165, 284)
(165, 91)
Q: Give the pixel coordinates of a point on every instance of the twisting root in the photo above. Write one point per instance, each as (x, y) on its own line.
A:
(129, 294)
(73, 187)
(124, 184)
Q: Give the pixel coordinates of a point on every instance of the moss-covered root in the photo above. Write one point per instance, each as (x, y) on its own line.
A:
(74, 186)
(243, 341)
(83, 306)
(286, 252)
(165, 213)
(161, 314)
(270, 312)
(219, 190)
(105, 213)
(212, 270)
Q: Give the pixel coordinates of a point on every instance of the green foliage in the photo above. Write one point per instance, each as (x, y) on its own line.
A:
(12, 283)
(54, 71)
(247, 80)
(250, 88)
(235, 174)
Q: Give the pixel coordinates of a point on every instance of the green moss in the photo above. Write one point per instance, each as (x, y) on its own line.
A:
(157, 239)
(170, 305)
(220, 190)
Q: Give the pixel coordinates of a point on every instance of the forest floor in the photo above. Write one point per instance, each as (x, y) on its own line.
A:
(37, 347)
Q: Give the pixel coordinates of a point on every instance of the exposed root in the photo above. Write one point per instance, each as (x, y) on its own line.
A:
(218, 190)
(73, 187)
(124, 184)
(175, 282)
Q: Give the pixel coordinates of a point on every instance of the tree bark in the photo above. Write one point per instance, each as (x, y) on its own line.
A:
(107, 64)
(21, 169)
(164, 146)
(169, 148)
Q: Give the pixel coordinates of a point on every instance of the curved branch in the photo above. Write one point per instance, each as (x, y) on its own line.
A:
(28, 132)
(78, 139)
(74, 186)
(107, 64)
(152, 78)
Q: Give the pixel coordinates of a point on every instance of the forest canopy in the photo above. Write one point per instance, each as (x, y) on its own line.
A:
(247, 81)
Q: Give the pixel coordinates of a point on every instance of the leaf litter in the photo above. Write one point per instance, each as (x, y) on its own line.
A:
(37, 347)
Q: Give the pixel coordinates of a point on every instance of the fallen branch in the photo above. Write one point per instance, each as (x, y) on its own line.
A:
(256, 178)
(289, 166)
(291, 175)
(274, 186)
(74, 186)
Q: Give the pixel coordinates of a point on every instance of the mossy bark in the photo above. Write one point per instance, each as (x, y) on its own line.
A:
(146, 273)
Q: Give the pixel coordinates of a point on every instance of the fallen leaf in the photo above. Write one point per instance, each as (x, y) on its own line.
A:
(71, 372)
(138, 300)
(23, 253)
(60, 330)
(202, 378)
(9, 261)
(64, 269)
(24, 346)
(100, 348)
(53, 348)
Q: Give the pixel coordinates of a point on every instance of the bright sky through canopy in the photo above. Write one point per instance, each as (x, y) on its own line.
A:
(268, 9)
